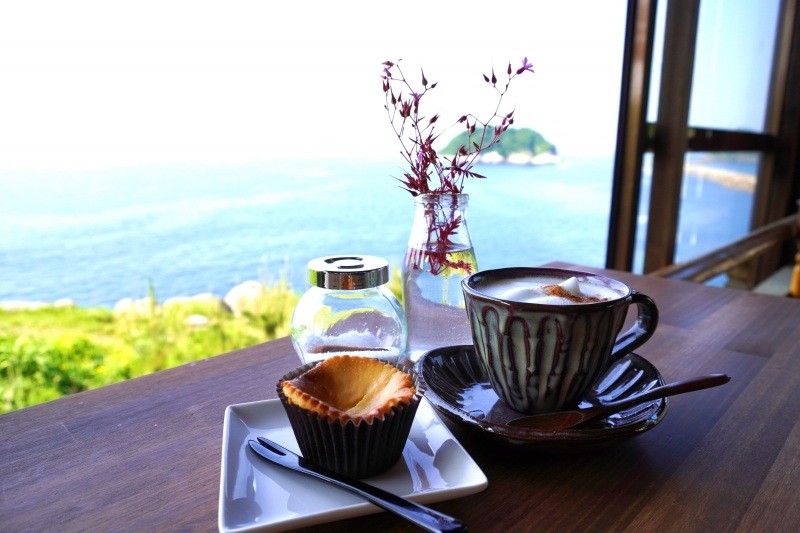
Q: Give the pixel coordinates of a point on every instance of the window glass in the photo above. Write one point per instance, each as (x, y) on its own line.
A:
(716, 201)
(732, 66)
(644, 210)
(733, 63)
(658, 58)
(731, 77)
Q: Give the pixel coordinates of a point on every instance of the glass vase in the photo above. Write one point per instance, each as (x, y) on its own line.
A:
(439, 256)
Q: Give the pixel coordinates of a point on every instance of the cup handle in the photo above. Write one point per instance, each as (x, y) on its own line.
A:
(641, 331)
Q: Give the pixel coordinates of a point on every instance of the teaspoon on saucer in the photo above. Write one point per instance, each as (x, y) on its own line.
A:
(570, 419)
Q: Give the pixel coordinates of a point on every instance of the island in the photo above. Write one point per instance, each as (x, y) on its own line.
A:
(517, 146)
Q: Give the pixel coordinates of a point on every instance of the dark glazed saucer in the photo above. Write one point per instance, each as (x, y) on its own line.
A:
(458, 387)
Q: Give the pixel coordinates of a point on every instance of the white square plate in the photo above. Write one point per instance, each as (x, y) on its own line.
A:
(257, 495)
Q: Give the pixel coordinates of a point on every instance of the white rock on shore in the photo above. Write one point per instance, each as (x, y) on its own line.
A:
(197, 321)
(145, 306)
(204, 297)
(242, 298)
(491, 158)
(519, 158)
(31, 305)
(141, 306)
(22, 305)
(245, 297)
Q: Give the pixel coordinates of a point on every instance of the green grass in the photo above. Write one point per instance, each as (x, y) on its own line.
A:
(51, 352)
(54, 351)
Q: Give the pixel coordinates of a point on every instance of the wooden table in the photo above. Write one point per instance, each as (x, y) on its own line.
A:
(144, 455)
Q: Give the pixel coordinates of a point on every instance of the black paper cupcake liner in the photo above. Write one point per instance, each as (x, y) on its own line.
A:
(356, 450)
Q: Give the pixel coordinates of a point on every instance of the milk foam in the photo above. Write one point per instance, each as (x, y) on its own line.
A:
(550, 290)
(572, 286)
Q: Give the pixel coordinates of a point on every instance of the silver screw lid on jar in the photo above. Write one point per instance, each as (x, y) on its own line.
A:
(348, 272)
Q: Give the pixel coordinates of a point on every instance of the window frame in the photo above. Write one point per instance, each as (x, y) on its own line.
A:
(671, 137)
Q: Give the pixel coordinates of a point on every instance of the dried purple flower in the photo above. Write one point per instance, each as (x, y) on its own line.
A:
(416, 134)
(525, 66)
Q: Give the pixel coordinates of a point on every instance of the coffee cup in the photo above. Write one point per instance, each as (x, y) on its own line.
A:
(545, 335)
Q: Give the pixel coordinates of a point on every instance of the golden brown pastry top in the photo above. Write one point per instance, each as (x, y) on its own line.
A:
(346, 387)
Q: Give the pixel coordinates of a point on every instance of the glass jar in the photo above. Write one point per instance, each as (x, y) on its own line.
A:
(348, 310)
(439, 256)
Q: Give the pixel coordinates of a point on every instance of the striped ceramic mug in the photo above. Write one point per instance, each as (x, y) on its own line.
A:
(544, 335)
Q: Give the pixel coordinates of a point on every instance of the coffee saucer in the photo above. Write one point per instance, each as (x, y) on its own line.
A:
(459, 388)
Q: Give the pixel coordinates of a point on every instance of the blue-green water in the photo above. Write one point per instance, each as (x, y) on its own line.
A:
(98, 237)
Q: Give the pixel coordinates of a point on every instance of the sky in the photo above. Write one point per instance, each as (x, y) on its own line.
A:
(93, 84)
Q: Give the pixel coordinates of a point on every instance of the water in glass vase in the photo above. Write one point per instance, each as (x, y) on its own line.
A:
(433, 300)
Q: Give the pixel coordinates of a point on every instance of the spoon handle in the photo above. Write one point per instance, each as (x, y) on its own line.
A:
(423, 517)
(678, 387)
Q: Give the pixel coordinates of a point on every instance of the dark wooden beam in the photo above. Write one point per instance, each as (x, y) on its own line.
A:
(720, 261)
(631, 133)
(778, 185)
(711, 140)
(778, 189)
(671, 132)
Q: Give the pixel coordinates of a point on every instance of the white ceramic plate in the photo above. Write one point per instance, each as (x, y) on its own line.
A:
(257, 495)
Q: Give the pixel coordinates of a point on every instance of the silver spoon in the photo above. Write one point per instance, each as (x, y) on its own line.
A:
(424, 517)
(569, 419)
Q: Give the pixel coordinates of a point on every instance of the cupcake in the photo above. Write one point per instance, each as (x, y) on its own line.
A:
(351, 415)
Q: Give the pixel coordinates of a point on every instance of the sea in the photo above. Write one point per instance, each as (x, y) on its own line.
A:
(96, 237)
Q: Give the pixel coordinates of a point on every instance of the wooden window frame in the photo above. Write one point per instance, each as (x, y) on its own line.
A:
(670, 138)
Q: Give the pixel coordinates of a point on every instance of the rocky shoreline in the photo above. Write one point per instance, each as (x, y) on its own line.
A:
(520, 158)
(728, 178)
(241, 299)
(32, 305)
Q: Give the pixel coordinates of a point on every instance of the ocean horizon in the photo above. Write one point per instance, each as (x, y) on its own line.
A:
(98, 237)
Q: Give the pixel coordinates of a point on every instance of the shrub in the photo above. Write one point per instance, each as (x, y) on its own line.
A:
(51, 352)
(33, 370)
